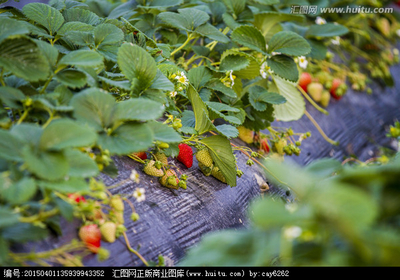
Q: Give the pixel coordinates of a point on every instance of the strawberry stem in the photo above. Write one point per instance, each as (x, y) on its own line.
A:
(320, 129)
(312, 101)
(133, 250)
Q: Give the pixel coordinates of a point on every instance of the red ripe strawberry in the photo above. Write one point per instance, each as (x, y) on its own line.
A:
(305, 80)
(185, 155)
(264, 145)
(91, 236)
(76, 197)
(335, 84)
(141, 155)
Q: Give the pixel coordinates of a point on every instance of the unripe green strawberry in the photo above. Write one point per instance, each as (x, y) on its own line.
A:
(203, 156)
(216, 173)
(108, 231)
(205, 169)
(182, 184)
(383, 25)
(119, 217)
(161, 157)
(117, 203)
(246, 135)
(280, 145)
(169, 180)
(323, 77)
(325, 97)
(151, 170)
(315, 90)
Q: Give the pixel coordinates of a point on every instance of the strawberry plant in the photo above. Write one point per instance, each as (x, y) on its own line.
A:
(83, 82)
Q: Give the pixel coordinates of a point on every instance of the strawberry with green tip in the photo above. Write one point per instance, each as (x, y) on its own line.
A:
(315, 90)
(90, 235)
(325, 98)
(185, 155)
(170, 179)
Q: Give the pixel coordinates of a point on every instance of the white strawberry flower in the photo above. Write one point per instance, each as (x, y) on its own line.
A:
(172, 94)
(134, 176)
(320, 21)
(182, 79)
(232, 77)
(303, 62)
(292, 232)
(398, 32)
(265, 70)
(139, 194)
(336, 41)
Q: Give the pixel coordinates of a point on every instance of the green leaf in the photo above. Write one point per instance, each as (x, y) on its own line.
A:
(216, 84)
(236, 7)
(45, 165)
(194, 17)
(80, 164)
(10, 146)
(233, 62)
(45, 15)
(209, 31)
(74, 26)
(81, 15)
(94, 108)
(175, 20)
(137, 65)
(7, 217)
(259, 97)
(261, 214)
(199, 76)
(318, 49)
(228, 131)
(80, 38)
(162, 82)
(66, 209)
(4, 251)
(128, 138)
(11, 27)
(124, 84)
(71, 185)
(203, 123)
(22, 57)
(268, 20)
(11, 97)
(294, 108)
(84, 58)
(250, 37)
(164, 133)
(65, 133)
(49, 51)
(251, 71)
(326, 30)
(289, 43)
(138, 109)
(106, 34)
(351, 206)
(324, 167)
(284, 66)
(23, 232)
(221, 152)
(29, 133)
(72, 77)
(19, 192)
